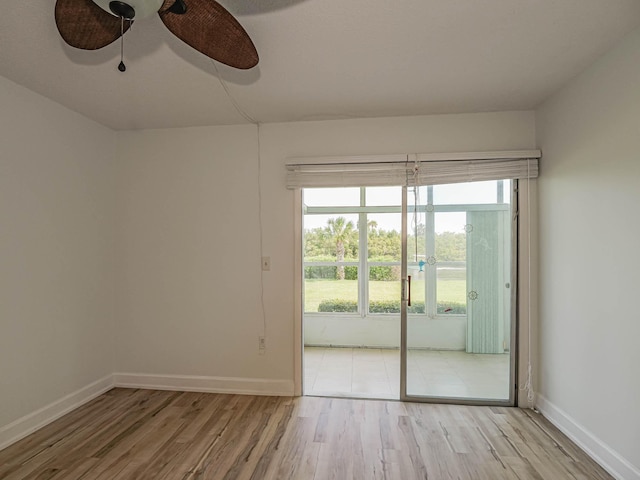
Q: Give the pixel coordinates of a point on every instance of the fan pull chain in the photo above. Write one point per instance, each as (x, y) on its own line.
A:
(122, 66)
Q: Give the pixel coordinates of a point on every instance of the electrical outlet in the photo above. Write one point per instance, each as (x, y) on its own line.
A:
(266, 264)
(262, 344)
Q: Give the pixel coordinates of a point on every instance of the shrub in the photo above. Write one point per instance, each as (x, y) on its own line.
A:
(381, 273)
(389, 306)
(350, 306)
(393, 306)
(319, 272)
(351, 272)
(330, 272)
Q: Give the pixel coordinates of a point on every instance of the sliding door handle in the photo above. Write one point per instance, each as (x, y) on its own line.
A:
(409, 288)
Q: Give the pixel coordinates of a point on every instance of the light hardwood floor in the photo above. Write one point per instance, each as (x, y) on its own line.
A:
(135, 434)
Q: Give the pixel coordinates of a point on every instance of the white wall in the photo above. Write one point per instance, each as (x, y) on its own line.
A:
(189, 289)
(383, 331)
(589, 233)
(57, 273)
(189, 286)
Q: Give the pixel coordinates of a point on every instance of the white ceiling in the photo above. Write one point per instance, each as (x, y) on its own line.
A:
(322, 59)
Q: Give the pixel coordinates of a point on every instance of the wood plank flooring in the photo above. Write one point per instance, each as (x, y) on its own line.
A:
(144, 434)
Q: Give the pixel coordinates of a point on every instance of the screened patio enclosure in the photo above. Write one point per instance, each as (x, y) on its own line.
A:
(455, 251)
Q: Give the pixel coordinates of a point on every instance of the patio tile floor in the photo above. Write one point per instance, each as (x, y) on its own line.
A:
(375, 373)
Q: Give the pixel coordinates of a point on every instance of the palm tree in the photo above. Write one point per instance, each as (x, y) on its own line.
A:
(339, 230)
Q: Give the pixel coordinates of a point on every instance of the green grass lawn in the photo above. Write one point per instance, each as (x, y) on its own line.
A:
(450, 288)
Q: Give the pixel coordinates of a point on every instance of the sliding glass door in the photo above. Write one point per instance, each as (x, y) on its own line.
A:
(408, 292)
(457, 325)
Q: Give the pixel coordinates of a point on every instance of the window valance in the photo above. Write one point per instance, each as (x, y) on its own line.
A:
(413, 169)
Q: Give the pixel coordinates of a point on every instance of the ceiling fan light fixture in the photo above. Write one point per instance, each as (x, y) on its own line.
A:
(141, 8)
(122, 10)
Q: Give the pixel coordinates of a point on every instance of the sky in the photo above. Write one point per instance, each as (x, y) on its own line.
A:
(454, 194)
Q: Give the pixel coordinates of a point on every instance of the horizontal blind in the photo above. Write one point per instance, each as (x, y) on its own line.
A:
(455, 171)
(422, 170)
(348, 175)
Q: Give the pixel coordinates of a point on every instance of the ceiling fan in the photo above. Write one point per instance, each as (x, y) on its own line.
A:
(202, 24)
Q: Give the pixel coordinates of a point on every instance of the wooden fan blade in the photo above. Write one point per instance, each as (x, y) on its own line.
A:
(83, 24)
(212, 30)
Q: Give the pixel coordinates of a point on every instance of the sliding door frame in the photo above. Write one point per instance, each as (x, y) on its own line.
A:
(524, 295)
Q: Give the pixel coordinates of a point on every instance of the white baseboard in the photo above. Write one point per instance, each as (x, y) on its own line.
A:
(612, 461)
(28, 424)
(191, 383)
